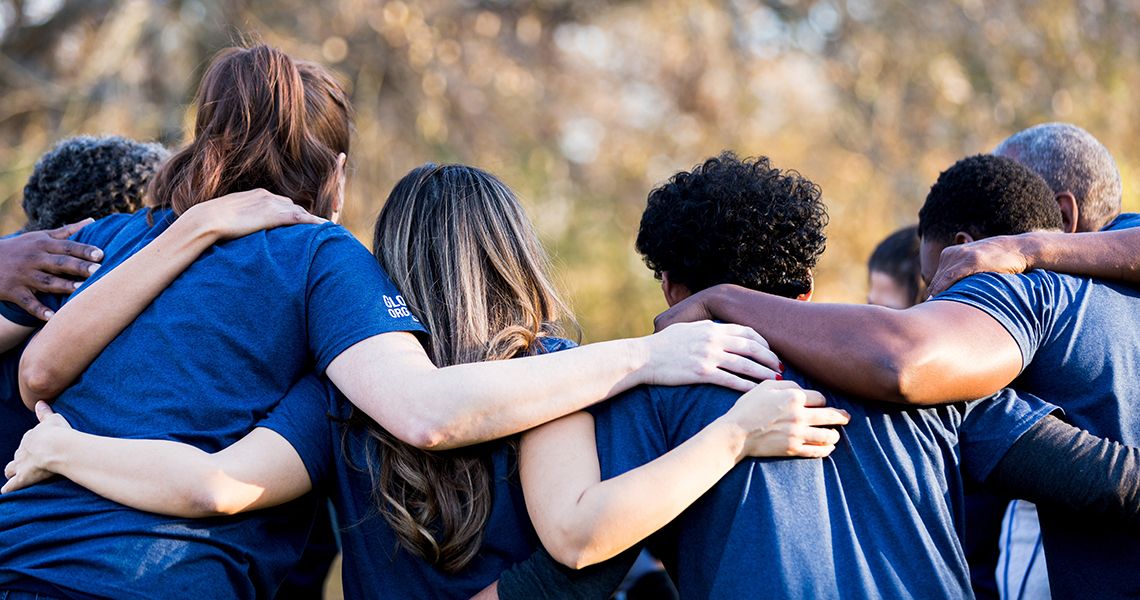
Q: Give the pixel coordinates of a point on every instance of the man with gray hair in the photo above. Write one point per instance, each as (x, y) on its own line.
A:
(1080, 170)
(1086, 183)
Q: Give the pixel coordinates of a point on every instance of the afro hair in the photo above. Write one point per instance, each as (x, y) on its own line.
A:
(89, 177)
(735, 221)
(984, 196)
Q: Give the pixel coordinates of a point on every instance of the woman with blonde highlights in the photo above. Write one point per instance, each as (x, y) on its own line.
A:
(202, 335)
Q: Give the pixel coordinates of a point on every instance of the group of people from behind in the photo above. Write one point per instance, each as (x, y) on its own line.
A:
(239, 361)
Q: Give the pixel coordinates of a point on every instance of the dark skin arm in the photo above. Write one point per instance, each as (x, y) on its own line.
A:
(1111, 255)
(44, 262)
(933, 353)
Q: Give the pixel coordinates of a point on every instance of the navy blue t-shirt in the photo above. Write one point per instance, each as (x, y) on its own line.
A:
(376, 565)
(15, 418)
(1080, 346)
(204, 364)
(879, 518)
(1123, 221)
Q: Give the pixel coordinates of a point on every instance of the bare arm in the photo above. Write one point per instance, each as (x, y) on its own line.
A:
(391, 379)
(11, 334)
(260, 470)
(583, 520)
(1111, 255)
(933, 353)
(74, 337)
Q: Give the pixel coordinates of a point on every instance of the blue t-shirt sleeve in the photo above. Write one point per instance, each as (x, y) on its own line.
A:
(349, 297)
(302, 418)
(1124, 221)
(992, 425)
(1022, 304)
(629, 431)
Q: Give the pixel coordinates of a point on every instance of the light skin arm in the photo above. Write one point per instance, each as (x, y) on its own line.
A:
(258, 471)
(933, 353)
(389, 376)
(11, 334)
(583, 520)
(460, 405)
(1111, 255)
(57, 356)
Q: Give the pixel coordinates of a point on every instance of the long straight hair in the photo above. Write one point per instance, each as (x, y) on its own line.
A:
(253, 130)
(461, 250)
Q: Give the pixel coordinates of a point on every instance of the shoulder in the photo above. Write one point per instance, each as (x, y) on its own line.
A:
(1124, 221)
(101, 232)
(546, 345)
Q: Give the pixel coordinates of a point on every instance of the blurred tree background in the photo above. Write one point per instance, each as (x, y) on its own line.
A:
(583, 106)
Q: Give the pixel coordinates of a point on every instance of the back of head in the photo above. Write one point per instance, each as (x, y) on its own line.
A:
(984, 196)
(253, 130)
(1071, 160)
(460, 248)
(89, 177)
(735, 221)
(897, 256)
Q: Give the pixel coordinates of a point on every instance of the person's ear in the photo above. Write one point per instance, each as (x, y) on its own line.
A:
(1070, 212)
(674, 292)
(338, 202)
(962, 238)
(806, 296)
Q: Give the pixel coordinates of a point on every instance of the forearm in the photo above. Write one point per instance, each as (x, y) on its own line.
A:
(467, 404)
(1111, 255)
(922, 355)
(76, 335)
(150, 475)
(616, 514)
(1056, 463)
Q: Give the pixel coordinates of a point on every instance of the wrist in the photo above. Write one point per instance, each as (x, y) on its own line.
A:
(732, 434)
(1034, 248)
(54, 449)
(195, 228)
(638, 357)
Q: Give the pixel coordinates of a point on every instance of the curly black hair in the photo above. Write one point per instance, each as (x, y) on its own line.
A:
(89, 177)
(986, 195)
(735, 221)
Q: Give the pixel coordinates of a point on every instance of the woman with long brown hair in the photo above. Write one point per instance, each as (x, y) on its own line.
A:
(216, 361)
(416, 524)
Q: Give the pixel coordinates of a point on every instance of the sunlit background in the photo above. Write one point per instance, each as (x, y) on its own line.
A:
(583, 106)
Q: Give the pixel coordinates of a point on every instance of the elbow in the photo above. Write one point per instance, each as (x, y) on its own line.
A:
(897, 377)
(208, 501)
(37, 381)
(571, 547)
(426, 436)
(569, 556)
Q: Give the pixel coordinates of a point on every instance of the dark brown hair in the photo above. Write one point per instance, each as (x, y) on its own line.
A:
(460, 248)
(254, 130)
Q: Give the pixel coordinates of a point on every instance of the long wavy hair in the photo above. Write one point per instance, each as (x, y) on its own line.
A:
(461, 250)
(253, 129)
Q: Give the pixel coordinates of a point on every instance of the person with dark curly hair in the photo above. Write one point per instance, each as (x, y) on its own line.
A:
(895, 280)
(90, 177)
(81, 179)
(1074, 340)
(876, 518)
(767, 228)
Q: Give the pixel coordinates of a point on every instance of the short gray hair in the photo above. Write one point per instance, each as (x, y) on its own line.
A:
(1071, 160)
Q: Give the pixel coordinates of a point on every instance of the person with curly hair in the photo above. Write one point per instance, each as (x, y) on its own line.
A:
(81, 179)
(90, 177)
(1071, 339)
(877, 518)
